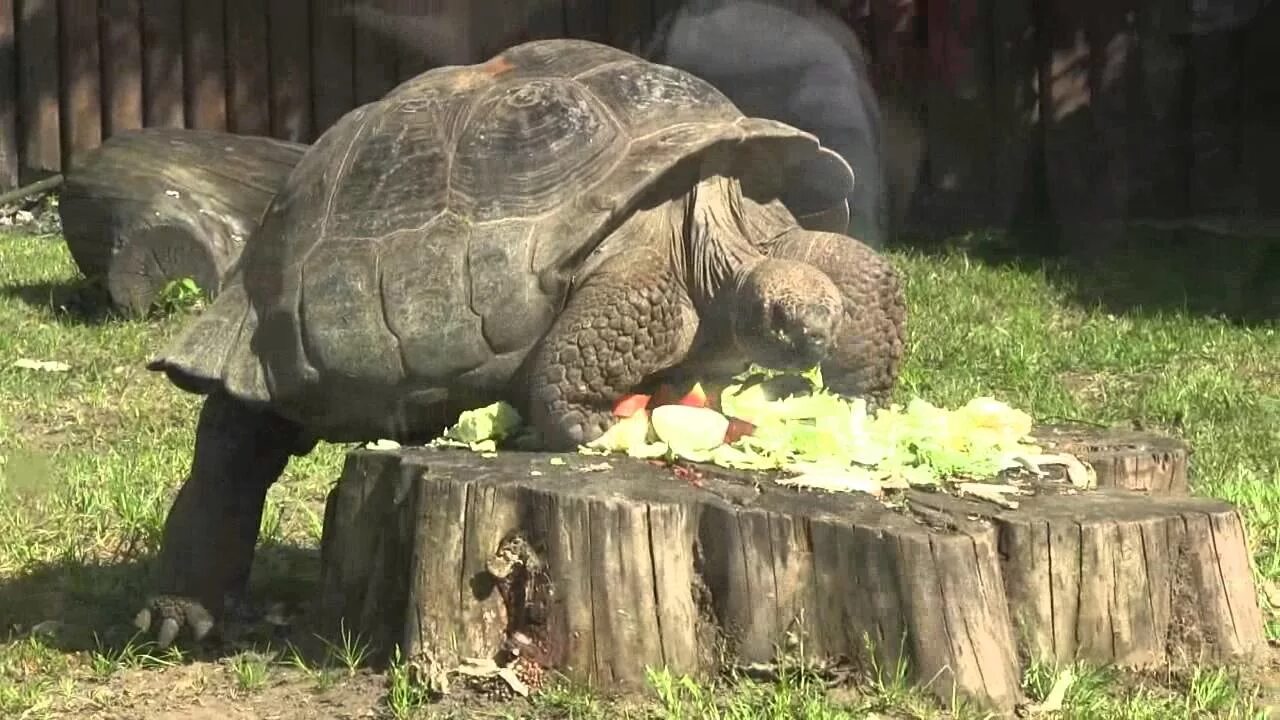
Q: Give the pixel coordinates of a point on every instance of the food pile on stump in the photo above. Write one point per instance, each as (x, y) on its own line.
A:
(806, 436)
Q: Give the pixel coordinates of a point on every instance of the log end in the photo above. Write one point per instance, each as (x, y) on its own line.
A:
(154, 256)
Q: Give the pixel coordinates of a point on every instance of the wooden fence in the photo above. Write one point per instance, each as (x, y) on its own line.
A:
(1070, 96)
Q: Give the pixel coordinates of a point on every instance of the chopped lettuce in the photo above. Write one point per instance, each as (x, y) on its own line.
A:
(790, 423)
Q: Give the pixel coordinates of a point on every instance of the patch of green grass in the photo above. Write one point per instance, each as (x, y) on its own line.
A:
(1020, 336)
(1101, 693)
(250, 670)
(92, 457)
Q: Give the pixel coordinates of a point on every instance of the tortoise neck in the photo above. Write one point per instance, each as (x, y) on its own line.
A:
(715, 249)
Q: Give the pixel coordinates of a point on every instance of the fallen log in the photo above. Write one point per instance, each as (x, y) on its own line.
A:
(603, 567)
(160, 204)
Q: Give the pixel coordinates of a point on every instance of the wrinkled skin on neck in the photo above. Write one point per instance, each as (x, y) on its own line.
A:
(745, 306)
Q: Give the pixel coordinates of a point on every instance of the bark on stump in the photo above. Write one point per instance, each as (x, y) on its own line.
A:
(160, 204)
(603, 567)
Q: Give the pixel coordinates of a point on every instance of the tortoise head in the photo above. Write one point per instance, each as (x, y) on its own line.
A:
(786, 314)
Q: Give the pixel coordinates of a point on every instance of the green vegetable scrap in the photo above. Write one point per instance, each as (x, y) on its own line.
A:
(791, 423)
(481, 429)
(826, 441)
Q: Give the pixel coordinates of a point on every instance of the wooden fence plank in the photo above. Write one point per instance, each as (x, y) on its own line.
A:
(586, 19)
(499, 24)
(894, 45)
(1261, 139)
(629, 23)
(8, 98)
(162, 63)
(204, 34)
(291, 74)
(40, 124)
(545, 20)
(1085, 72)
(959, 115)
(1158, 142)
(1217, 173)
(81, 90)
(333, 78)
(413, 58)
(40, 141)
(375, 52)
(121, 28)
(1013, 108)
(663, 8)
(248, 68)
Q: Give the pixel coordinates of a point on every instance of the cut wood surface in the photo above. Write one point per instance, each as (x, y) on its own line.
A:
(1125, 459)
(156, 205)
(601, 567)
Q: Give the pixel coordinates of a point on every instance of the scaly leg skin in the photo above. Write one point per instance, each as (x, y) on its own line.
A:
(212, 528)
(868, 353)
(630, 319)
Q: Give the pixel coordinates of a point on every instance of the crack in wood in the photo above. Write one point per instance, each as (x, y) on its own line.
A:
(653, 575)
(1226, 590)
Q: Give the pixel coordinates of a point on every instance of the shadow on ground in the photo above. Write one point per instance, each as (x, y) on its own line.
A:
(72, 302)
(77, 607)
(1197, 273)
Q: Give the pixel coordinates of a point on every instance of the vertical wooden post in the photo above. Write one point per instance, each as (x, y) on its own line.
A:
(81, 91)
(8, 98)
(1014, 102)
(162, 63)
(292, 83)
(122, 66)
(587, 19)
(333, 83)
(248, 68)
(206, 63)
(375, 54)
(628, 22)
(1087, 76)
(38, 69)
(959, 114)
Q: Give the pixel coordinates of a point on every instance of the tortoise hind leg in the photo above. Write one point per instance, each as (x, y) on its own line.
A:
(212, 528)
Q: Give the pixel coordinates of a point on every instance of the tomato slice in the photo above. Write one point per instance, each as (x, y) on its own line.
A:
(629, 405)
(737, 428)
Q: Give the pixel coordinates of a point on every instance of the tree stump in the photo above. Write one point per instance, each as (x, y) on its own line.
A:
(602, 567)
(151, 206)
(1125, 459)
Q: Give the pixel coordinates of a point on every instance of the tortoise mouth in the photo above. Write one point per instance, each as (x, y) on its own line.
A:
(790, 351)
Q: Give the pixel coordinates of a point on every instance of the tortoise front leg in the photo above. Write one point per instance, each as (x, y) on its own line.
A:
(868, 352)
(630, 319)
(212, 528)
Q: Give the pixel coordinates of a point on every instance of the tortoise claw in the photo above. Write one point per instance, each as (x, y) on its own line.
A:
(168, 631)
(168, 615)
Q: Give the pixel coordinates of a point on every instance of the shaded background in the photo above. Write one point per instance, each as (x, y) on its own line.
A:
(1084, 126)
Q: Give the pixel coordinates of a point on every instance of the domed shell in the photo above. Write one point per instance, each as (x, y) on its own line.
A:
(424, 244)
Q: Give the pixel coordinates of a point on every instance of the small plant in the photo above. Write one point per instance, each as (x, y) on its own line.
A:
(107, 661)
(179, 295)
(351, 652)
(250, 671)
(323, 677)
(404, 694)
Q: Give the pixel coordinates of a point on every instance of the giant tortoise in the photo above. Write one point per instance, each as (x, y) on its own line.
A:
(553, 228)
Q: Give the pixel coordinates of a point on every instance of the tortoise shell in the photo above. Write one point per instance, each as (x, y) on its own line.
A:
(426, 242)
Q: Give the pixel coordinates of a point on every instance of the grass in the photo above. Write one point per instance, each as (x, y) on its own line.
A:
(90, 458)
